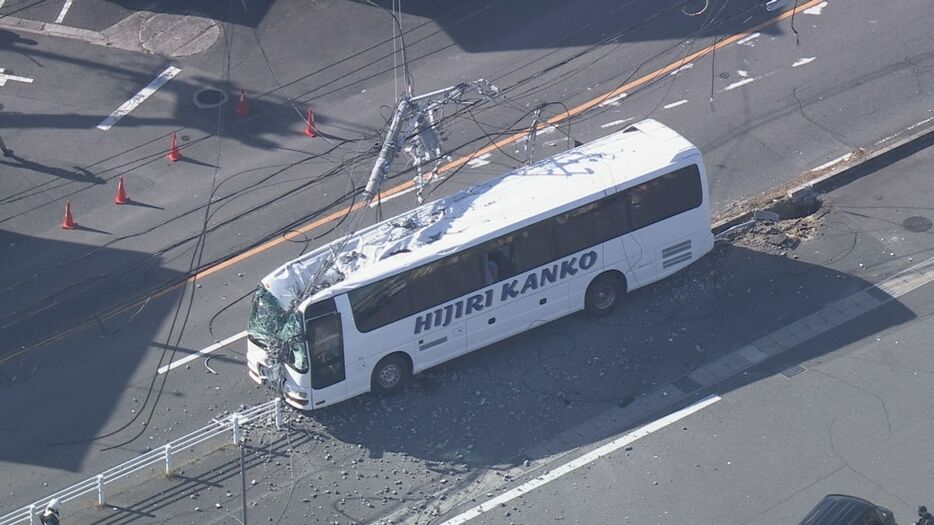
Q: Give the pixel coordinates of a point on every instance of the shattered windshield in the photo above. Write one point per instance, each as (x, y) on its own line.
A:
(267, 317)
(293, 341)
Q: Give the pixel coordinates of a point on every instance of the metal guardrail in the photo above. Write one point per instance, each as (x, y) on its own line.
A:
(164, 454)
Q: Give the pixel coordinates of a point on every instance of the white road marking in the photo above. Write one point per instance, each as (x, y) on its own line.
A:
(613, 101)
(616, 122)
(685, 67)
(584, 460)
(923, 122)
(203, 352)
(138, 98)
(909, 128)
(482, 160)
(909, 280)
(802, 61)
(841, 158)
(735, 85)
(742, 73)
(64, 11)
(376, 203)
(816, 10)
(747, 40)
(546, 130)
(675, 104)
(1, 3)
(4, 77)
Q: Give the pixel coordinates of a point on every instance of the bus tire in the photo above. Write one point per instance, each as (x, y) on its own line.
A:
(603, 294)
(390, 374)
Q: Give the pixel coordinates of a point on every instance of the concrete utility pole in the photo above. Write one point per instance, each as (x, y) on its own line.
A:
(416, 130)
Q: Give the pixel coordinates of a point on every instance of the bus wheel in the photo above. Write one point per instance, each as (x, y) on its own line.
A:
(602, 294)
(390, 374)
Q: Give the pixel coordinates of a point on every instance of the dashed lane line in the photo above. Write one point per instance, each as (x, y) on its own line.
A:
(203, 352)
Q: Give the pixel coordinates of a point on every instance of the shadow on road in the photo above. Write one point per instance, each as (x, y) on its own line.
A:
(496, 25)
(490, 408)
(248, 13)
(67, 392)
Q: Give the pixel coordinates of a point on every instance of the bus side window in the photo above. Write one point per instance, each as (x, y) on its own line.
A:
(665, 196)
(574, 230)
(443, 280)
(498, 259)
(534, 246)
(380, 303)
(610, 217)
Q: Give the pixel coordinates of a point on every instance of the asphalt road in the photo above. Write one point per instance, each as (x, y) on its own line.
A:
(770, 120)
(849, 419)
(841, 411)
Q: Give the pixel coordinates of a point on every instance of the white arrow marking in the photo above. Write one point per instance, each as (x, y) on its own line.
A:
(4, 77)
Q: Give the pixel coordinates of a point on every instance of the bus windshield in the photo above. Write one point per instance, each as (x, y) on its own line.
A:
(270, 325)
(267, 317)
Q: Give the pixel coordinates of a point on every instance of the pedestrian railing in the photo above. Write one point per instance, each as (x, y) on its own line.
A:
(166, 454)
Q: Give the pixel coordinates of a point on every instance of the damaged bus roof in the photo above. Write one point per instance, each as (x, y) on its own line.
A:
(476, 214)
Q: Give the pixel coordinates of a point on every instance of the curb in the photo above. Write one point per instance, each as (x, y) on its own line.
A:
(839, 174)
(48, 28)
(127, 34)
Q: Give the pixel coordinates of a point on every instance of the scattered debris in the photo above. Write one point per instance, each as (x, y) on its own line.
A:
(780, 226)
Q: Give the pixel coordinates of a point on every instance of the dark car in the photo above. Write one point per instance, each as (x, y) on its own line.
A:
(838, 509)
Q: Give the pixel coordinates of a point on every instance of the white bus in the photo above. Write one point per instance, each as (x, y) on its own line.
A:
(574, 231)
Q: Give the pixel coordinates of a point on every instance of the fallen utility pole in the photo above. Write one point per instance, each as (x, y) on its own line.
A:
(416, 129)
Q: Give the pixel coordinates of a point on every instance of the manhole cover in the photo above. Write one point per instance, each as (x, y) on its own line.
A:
(917, 224)
(210, 98)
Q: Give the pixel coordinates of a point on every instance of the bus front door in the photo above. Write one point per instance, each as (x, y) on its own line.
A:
(326, 359)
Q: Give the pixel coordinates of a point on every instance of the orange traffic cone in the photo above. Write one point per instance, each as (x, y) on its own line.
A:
(242, 107)
(120, 197)
(310, 124)
(174, 154)
(69, 222)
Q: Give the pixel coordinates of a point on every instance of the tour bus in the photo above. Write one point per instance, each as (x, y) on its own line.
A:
(572, 232)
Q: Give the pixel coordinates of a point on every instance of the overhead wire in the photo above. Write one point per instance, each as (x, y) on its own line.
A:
(196, 255)
(194, 262)
(472, 114)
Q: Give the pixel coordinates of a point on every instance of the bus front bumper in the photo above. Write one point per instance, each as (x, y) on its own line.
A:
(258, 371)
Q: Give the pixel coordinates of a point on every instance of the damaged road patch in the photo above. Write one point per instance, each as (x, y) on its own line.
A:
(167, 35)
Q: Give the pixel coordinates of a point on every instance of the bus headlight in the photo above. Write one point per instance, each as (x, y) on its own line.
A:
(295, 395)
